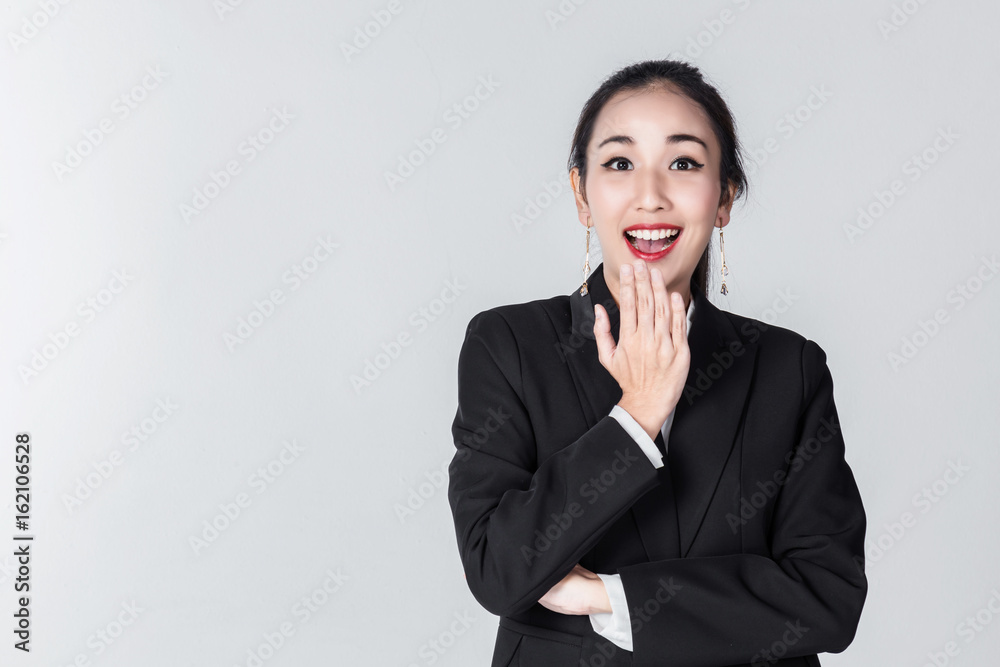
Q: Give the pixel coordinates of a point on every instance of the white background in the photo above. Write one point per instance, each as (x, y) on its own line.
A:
(366, 450)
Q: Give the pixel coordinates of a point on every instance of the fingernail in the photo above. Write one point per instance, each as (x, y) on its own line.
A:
(626, 269)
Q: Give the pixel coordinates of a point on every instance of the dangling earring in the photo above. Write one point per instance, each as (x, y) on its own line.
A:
(586, 263)
(725, 269)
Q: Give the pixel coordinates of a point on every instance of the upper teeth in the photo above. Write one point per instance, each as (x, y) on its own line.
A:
(651, 234)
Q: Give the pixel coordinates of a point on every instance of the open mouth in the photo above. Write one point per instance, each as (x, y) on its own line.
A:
(652, 241)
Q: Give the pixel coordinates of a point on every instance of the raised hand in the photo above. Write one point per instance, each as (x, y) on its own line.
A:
(652, 358)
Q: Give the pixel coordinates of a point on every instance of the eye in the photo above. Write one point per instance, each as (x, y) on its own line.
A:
(688, 161)
(616, 160)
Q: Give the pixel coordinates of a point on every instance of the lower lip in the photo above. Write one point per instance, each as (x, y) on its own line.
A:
(652, 257)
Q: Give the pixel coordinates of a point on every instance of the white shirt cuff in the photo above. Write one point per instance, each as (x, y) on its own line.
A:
(616, 626)
(639, 435)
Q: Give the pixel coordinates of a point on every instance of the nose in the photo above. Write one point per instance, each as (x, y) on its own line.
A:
(652, 193)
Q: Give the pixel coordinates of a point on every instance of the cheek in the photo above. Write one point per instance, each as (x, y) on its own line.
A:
(700, 237)
(702, 202)
(607, 190)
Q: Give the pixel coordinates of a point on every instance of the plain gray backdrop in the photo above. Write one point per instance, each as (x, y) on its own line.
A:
(240, 243)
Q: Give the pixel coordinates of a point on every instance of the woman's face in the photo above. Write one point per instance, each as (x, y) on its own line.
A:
(652, 163)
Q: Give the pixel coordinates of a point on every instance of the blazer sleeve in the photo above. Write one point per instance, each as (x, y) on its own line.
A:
(522, 525)
(805, 598)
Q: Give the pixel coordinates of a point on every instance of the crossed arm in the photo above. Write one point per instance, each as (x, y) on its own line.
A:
(522, 527)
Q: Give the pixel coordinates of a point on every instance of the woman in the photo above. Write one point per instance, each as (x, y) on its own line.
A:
(633, 486)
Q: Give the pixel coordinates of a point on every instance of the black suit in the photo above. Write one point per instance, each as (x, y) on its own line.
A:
(749, 539)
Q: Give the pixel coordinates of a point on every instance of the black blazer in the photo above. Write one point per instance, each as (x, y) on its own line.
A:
(746, 548)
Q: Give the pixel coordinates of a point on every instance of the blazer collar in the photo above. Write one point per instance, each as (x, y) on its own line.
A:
(706, 418)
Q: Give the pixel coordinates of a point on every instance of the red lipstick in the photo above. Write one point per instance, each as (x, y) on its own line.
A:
(651, 256)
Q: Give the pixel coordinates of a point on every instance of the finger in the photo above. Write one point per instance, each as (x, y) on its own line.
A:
(678, 329)
(661, 306)
(602, 334)
(643, 299)
(626, 296)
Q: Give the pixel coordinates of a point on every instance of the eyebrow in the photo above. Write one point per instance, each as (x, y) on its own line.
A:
(672, 139)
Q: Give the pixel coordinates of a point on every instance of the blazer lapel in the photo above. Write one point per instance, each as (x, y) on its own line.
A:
(655, 514)
(706, 418)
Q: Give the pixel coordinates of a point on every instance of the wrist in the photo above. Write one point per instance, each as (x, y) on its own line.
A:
(641, 415)
(600, 602)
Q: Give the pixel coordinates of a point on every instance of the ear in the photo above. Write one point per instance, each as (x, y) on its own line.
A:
(726, 206)
(582, 209)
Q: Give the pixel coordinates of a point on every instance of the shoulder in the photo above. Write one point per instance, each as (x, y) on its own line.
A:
(783, 350)
(514, 337)
(508, 323)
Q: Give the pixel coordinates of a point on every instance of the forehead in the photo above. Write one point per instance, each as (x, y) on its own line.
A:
(649, 114)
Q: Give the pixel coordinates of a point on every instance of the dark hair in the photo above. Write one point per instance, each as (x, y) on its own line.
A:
(688, 80)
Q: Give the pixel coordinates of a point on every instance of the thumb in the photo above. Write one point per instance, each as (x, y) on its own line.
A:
(602, 334)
